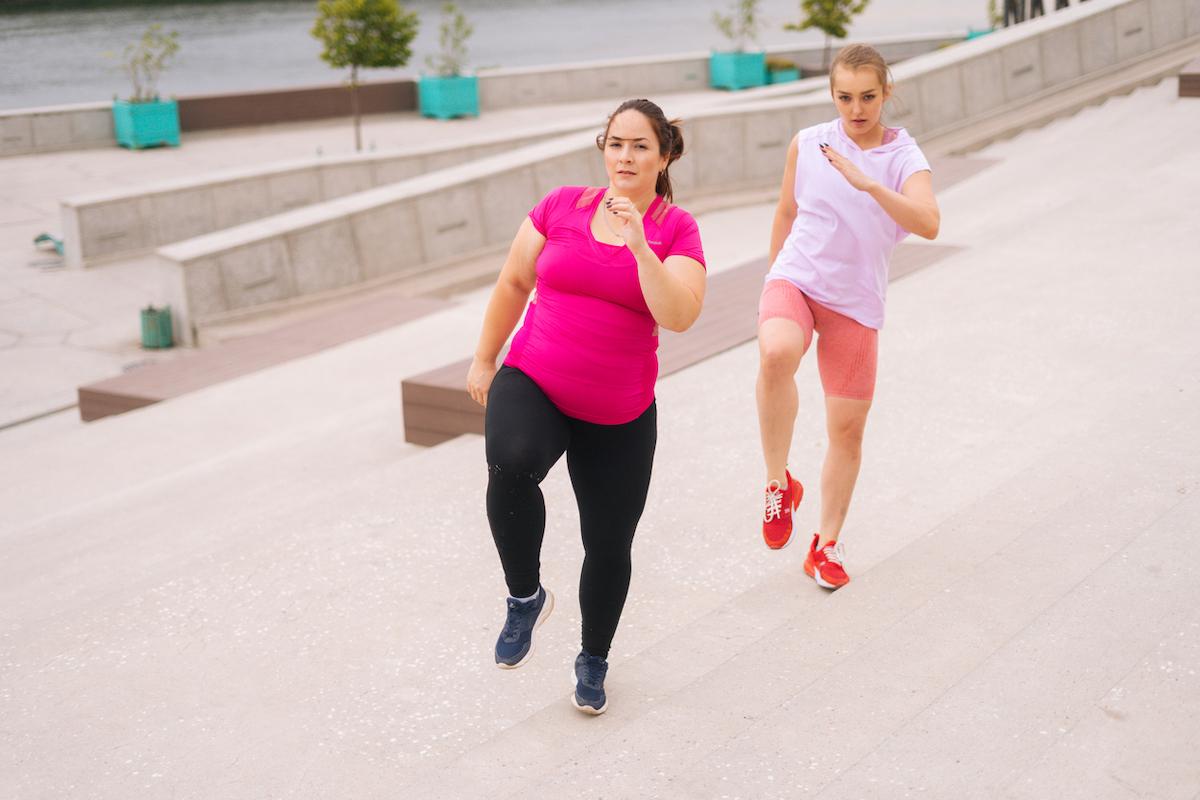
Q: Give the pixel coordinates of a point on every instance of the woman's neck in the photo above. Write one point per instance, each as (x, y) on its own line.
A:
(871, 139)
(642, 202)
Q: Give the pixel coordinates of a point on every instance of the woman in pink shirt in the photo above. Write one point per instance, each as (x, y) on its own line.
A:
(609, 266)
(852, 189)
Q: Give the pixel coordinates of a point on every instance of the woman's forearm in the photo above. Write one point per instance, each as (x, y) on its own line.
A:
(914, 216)
(672, 303)
(503, 310)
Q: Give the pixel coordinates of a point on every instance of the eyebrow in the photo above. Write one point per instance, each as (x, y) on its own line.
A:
(847, 91)
(619, 139)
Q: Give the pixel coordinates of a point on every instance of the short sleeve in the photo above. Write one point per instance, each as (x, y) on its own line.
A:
(686, 241)
(914, 161)
(543, 211)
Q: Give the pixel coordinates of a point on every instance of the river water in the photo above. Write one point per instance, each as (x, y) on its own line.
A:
(52, 57)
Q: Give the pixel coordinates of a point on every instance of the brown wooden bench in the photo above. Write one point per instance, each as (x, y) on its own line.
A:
(211, 365)
(1189, 79)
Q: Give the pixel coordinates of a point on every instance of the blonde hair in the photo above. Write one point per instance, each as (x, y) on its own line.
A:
(861, 56)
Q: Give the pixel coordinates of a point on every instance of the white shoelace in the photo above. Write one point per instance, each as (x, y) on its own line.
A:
(834, 553)
(774, 502)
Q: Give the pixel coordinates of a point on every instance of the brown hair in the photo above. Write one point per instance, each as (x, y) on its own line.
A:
(859, 56)
(669, 133)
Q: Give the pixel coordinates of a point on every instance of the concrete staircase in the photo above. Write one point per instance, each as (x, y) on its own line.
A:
(223, 596)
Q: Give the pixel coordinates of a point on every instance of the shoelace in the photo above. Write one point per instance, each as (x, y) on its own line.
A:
(594, 670)
(519, 617)
(834, 553)
(774, 508)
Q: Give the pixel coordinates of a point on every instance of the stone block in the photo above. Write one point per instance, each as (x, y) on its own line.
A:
(1098, 42)
(93, 128)
(941, 98)
(394, 170)
(904, 109)
(204, 287)
(1022, 69)
(1168, 22)
(571, 169)
(180, 215)
(241, 201)
(719, 148)
(388, 239)
(450, 222)
(117, 227)
(768, 134)
(323, 257)
(16, 135)
(294, 189)
(505, 200)
(52, 131)
(983, 83)
(255, 274)
(1133, 30)
(1061, 60)
(339, 180)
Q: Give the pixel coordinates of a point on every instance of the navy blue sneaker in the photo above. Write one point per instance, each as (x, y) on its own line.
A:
(515, 645)
(589, 683)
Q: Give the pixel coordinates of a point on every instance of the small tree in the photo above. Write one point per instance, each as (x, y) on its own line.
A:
(995, 18)
(364, 33)
(452, 38)
(829, 16)
(741, 24)
(145, 60)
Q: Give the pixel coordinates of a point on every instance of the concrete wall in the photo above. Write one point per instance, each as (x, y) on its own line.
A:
(102, 226)
(414, 225)
(74, 127)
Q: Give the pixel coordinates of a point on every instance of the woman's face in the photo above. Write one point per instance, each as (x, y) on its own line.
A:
(631, 155)
(859, 98)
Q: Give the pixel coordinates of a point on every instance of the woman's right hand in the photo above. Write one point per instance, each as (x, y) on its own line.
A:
(479, 379)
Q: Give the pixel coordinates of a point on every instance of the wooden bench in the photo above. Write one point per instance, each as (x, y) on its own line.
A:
(211, 365)
(1189, 79)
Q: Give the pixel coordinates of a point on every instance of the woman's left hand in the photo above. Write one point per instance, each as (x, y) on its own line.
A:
(850, 171)
(623, 219)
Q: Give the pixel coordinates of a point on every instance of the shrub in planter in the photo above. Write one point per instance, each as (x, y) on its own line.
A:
(738, 68)
(448, 93)
(782, 70)
(145, 119)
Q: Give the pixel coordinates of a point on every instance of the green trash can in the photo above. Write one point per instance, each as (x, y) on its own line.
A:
(156, 327)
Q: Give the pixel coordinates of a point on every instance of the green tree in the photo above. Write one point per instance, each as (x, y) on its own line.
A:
(364, 33)
(452, 38)
(832, 17)
(741, 24)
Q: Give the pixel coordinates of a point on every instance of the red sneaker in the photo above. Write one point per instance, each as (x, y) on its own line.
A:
(777, 516)
(825, 565)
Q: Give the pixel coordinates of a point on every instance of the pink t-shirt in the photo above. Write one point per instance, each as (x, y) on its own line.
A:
(838, 250)
(589, 341)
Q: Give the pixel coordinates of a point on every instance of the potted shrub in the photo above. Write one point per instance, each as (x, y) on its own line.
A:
(146, 120)
(364, 33)
(448, 93)
(738, 69)
(782, 70)
(831, 17)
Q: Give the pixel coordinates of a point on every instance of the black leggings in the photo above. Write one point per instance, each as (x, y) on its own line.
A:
(610, 472)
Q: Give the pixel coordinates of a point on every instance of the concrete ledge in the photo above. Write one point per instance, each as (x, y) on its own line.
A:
(420, 224)
(123, 222)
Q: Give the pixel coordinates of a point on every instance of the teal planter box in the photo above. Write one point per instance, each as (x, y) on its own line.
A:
(783, 75)
(156, 327)
(448, 97)
(150, 124)
(737, 70)
(974, 34)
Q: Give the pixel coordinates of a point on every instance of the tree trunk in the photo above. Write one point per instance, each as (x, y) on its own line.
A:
(354, 109)
(825, 58)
